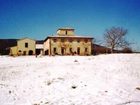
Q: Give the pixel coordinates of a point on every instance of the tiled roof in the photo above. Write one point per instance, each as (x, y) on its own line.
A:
(25, 38)
(56, 36)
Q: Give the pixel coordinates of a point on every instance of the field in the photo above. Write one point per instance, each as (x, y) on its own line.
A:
(112, 79)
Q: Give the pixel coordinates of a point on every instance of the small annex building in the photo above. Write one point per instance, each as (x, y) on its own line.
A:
(65, 42)
(39, 47)
(25, 46)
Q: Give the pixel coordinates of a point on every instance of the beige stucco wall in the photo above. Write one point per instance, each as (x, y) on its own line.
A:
(74, 45)
(22, 48)
(13, 50)
(46, 46)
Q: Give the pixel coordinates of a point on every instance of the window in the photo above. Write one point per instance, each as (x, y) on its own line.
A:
(62, 40)
(78, 40)
(26, 45)
(54, 40)
(86, 40)
(66, 32)
(70, 40)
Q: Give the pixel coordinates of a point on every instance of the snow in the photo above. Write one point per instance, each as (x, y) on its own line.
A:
(112, 79)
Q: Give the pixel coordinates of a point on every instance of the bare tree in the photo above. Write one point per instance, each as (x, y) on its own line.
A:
(115, 38)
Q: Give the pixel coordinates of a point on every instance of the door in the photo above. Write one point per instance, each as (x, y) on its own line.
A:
(47, 52)
(62, 51)
(30, 52)
(24, 52)
(78, 50)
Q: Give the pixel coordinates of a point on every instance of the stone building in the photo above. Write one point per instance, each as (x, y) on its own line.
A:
(25, 46)
(65, 42)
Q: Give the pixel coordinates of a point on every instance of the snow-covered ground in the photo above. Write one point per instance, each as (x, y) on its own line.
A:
(70, 80)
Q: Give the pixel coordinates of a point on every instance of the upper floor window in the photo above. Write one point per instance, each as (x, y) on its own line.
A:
(66, 32)
(26, 45)
(78, 40)
(70, 40)
(54, 40)
(86, 40)
(62, 40)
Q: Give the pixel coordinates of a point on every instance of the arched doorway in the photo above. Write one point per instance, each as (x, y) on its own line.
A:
(62, 50)
(78, 50)
(19, 52)
(37, 51)
(30, 52)
(47, 52)
(24, 52)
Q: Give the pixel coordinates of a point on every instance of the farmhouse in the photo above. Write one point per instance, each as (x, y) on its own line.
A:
(25, 46)
(65, 42)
